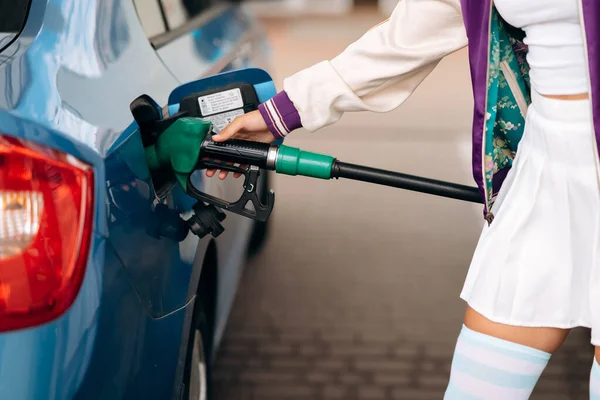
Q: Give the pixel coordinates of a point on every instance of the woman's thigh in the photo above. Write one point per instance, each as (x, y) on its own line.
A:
(545, 339)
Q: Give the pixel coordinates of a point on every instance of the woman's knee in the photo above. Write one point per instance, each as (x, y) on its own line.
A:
(544, 339)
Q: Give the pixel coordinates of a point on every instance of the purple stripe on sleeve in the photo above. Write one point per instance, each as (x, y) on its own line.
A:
(289, 114)
(269, 121)
(280, 118)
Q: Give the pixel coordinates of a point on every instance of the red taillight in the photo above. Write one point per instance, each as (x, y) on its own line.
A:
(45, 232)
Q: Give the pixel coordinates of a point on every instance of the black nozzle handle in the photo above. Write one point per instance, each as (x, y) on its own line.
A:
(404, 181)
(237, 151)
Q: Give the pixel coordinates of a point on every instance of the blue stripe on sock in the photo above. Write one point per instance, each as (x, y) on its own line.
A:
(454, 393)
(504, 347)
(594, 377)
(492, 375)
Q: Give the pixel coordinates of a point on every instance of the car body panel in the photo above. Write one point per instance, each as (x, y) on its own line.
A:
(141, 357)
(67, 82)
(160, 267)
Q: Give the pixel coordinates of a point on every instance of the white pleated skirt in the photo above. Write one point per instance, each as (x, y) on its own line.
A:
(538, 263)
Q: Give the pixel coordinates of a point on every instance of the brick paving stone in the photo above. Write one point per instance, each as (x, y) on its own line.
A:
(254, 376)
(429, 367)
(305, 336)
(389, 336)
(254, 363)
(296, 363)
(230, 363)
(239, 392)
(289, 391)
(371, 393)
(559, 396)
(413, 394)
(330, 364)
(235, 350)
(339, 336)
(276, 349)
(310, 350)
(333, 392)
(387, 379)
(433, 381)
(247, 335)
(319, 377)
(384, 365)
(405, 351)
(437, 350)
(358, 350)
(551, 385)
(349, 378)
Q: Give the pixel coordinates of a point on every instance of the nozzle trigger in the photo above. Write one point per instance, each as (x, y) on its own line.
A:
(261, 212)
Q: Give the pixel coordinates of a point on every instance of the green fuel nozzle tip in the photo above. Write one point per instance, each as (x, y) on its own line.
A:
(178, 148)
(294, 161)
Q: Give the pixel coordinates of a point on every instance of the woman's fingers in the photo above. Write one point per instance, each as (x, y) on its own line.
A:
(223, 174)
(238, 174)
(249, 126)
(230, 131)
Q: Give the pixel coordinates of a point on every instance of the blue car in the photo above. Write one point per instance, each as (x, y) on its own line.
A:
(100, 298)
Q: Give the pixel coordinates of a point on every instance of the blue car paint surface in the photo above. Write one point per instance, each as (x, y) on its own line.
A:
(67, 83)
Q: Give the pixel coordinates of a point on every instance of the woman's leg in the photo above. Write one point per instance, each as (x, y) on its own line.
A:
(497, 361)
(545, 339)
(595, 377)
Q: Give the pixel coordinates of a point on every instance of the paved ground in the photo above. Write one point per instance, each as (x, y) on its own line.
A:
(356, 294)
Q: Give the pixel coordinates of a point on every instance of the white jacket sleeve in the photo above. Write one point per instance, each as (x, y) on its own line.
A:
(383, 68)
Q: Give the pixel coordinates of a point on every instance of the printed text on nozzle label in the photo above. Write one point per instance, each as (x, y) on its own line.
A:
(220, 102)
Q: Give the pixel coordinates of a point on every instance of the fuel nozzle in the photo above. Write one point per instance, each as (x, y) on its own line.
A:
(186, 145)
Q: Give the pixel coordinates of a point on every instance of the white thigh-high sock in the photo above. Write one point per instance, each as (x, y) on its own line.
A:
(595, 381)
(485, 367)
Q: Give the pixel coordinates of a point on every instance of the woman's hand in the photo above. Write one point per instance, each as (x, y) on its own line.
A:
(249, 126)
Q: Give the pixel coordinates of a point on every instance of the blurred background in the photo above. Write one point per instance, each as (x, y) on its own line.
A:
(356, 293)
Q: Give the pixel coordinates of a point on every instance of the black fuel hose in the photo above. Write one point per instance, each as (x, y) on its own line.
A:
(404, 181)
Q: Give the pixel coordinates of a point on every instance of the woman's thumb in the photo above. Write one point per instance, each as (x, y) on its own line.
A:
(229, 131)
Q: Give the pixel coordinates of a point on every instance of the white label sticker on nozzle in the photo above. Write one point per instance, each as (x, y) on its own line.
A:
(220, 102)
(220, 121)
